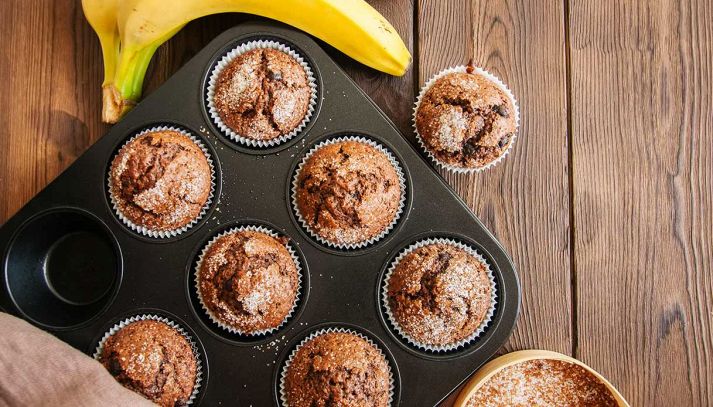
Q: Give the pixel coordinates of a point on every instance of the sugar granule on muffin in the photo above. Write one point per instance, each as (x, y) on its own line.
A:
(466, 120)
(338, 369)
(348, 192)
(161, 180)
(262, 94)
(439, 294)
(153, 359)
(543, 383)
(248, 281)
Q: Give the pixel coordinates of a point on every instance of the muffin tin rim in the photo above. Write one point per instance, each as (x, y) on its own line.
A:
(194, 304)
(224, 50)
(133, 132)
(114, 290)
(407, 200)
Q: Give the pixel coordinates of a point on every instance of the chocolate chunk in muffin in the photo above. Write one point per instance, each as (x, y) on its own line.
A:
(161, 180)
(248, 281)
(153, 359)
(466, 120)
(439, 294)
(543, 382)
(348, 192)
(262, 94)
(338, 369)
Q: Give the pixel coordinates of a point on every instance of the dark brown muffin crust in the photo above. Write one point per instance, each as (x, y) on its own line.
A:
(338, 369)
(348, 192)
(161, 180)
(152, 359)
(262, 94)
(543, 382)
(439, 294)
(248, 281)
(466, 120)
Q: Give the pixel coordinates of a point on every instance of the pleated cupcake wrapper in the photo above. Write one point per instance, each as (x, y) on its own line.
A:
(402, 200)
(237, 51)
(453, 346)
(286, 366)
(216, 320)
(172, 232)
(194, 348)
(499, 84)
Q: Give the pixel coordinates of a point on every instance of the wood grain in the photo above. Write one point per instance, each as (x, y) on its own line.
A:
(523, 200)
(642, 126)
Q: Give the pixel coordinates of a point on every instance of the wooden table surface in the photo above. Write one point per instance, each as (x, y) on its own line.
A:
(605, 203)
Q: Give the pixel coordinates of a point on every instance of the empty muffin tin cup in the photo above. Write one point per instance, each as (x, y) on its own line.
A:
(143, 317)
(496, 365)
(230, 56)
(214, 318)
(63, 268)
(393, 323)
(168, 233)
(487, 75)
(363, 244)
(285, 367)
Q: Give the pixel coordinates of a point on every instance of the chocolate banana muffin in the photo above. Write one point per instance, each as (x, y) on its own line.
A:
(153, 359)
(543, 382)
(466, 120)
(348, 192)
(161, 180)
(262, 94)
(248, 281)
(439, 294)
(338, 369)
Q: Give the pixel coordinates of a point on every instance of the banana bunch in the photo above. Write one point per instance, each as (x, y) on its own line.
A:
(130, 31)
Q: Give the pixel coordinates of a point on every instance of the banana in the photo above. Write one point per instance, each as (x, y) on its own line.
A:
(352, 26)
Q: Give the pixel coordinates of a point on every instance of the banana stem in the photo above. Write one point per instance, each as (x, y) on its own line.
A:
(124, 90)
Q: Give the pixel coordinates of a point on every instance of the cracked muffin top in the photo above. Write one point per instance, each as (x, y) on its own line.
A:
(466, 120)
(262, 94)
(439, 294)
(338, 369)
(152, 359)
(161, 180)
(248, 281)
(348, 192)
(541, 383)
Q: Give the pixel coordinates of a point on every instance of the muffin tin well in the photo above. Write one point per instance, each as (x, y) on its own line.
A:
(72, 267)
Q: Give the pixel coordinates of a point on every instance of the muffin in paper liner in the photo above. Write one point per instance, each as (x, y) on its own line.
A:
(194, 347)
(215, 319)
(283, 372)
(393, 323)
(171, 232)
(234, 53)
(363, 244)
(498, 83)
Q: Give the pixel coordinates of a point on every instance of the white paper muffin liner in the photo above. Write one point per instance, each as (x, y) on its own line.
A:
(429, 347)
(499, 84)
(402, 199)
(194, 347)
(171, 232)
(319, 332)
(215, 318)
(234, 53)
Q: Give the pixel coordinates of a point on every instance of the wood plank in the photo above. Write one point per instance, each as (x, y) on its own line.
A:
(524, 200)
(643, 162)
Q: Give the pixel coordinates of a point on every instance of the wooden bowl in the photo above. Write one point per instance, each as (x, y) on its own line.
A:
(497, 364)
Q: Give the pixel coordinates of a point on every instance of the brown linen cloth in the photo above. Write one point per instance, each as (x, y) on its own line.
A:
(37, 369)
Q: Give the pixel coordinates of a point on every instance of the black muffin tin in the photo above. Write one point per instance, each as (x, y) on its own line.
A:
(71, 267)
